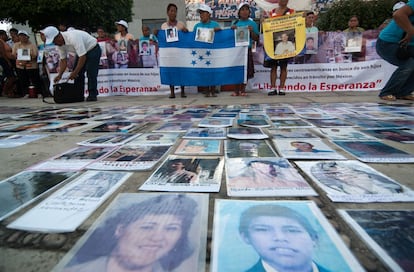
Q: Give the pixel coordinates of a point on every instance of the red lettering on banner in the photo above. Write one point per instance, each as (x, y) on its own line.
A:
(343, 87)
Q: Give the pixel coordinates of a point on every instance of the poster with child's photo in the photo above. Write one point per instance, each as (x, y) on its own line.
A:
(241, 36)
(205, 35)
(171, 34)
(249, 235)
(144, 48)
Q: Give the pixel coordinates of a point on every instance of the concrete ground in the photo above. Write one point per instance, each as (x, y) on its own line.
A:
(28, 251)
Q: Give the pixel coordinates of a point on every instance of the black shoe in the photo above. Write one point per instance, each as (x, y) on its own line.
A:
(272, 93)
(91, 98)
(282, 93)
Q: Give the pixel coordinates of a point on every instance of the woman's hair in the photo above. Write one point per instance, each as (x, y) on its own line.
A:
(171, 5)
(103, 240)
(248, 216)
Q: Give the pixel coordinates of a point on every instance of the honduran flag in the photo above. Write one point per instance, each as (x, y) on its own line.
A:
(187, 62)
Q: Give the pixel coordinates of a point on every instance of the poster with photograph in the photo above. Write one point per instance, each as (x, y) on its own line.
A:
(131, 158)
(247, 231)
(109, 140)
(396, 135)
(199, 147)
(375, 152)
(155, 138)
(246, 133)
(305, 149)
(123, 236)
(205, 133)
(253, 120)
(67, 208)
(291, 133)
(23, 188)
(215, 122)
(15, 140)
(171, 34)
(353, 42)
(187, 174)
(248, 148)
(264, 177)
(335, 122)
(205, 35)
(66, 127)
(354, 181)
(23, 54)
(118, 127)
(392, 247)
(74, 159)
(173, 127)
(241, 36)
(311, 43)
(291, 123)
(284, 36)
(345, 134)
(28, 126)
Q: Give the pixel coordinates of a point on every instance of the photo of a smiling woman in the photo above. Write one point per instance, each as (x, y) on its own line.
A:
(151, 235)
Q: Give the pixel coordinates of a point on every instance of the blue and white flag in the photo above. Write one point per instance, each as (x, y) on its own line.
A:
(187, 62)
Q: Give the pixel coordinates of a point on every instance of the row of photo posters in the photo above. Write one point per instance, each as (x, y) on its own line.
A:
(168, 232)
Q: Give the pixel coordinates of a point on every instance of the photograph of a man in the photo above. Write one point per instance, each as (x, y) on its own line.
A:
(284, 46)
(283, 236)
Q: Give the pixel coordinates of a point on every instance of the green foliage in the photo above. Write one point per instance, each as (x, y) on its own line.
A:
(370, 13)
(77, 13)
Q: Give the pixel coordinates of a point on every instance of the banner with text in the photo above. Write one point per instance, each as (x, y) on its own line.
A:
(331, 68)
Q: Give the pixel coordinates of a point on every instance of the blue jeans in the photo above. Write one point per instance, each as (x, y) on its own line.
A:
(91, 68)
(401, 82)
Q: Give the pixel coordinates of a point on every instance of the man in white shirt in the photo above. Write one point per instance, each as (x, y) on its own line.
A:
(86, 48)
(285, 46)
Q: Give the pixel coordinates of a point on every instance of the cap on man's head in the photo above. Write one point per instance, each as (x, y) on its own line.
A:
(122, 23)
(398, 6)
(50, 33)
(23, 32)
(204, 7)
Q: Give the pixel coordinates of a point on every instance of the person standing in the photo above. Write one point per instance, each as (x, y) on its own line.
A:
(283, 9)
(27, 68)
(206, 22)
(88, 51)
(399, 31)
(14, 37)
(353, 25)
(122, 37)
(243, 12)
(171, 23)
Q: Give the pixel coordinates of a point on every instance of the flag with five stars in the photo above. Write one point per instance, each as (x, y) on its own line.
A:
(187, 62)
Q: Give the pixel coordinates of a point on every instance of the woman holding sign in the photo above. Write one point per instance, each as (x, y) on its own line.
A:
(244, 21)
(283, 9)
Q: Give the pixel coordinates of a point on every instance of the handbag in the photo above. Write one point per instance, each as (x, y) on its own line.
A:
(68, 93)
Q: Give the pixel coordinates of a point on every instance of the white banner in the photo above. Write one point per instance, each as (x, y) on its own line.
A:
(322, 77)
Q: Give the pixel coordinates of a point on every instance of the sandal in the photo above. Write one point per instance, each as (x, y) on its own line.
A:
(243, 94)
(171, 96)
(235, 94)
(388, 97)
